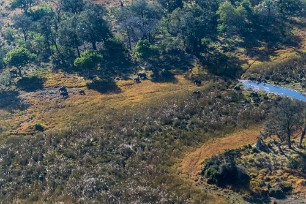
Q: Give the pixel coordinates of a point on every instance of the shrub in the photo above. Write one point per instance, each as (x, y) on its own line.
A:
(88, 60)
(18, 57)
(276, 193)
(39, 127)
(212, 175)
(222, 170)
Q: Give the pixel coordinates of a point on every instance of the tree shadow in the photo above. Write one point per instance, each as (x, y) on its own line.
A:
(258, 198)
(222, 65)
(174, 60)
(271, 41)
(104, 86)
(163, 76)
(116, 62)
(9, 100)
(31, 84)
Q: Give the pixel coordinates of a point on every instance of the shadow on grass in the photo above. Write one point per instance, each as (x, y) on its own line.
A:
(30, 84)
(222, 65)
(9, 100)
(174, 60)
(104, 86)
(163, 76)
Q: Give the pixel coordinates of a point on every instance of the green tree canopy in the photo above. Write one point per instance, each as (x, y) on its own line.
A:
(231, 19)
(144, 50)
(91, 26)
(171, 5)
(18, 57)
(25, 5)
(68, 35)
(88, 60)
(72, 6)
(23, 23)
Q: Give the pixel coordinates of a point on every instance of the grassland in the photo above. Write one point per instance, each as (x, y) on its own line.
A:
(50, 109)
(151, 138)
(158, 105)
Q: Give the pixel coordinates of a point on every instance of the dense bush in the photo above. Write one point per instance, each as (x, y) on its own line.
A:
(88, 60)
(222, 170)
(39, 127)
(276, 193)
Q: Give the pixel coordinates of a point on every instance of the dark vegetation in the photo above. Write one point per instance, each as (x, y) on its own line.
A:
(222, 170)
(9, 100)
(104, 86)
(86, 38)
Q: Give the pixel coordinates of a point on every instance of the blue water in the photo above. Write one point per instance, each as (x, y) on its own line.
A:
(268, 88)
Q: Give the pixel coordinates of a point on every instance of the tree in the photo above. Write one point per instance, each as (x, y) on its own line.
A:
(23, 22)
(116, 57)
(231, 20)
(291, 7)
(144, 50)
(88, 60)
(267, 10)
(303, 129)
(192, 24)
(25, 5)
(44, 23)
(270, 26)
(72, 6)
(18, 57)
(91, 26)
(286, 119)
(171, 5)
(67, 34)
(138, 21)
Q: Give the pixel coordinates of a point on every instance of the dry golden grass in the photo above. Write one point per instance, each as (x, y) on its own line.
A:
(193, 161)
(52, 111)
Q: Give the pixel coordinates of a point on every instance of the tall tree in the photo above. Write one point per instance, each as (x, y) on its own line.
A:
(286, 119)
(139, 21)
(291, 7)
(44, 23)
(67, 33)
(231, 19)
(91, 27)
(23, 23)
(192, 24)
(209, 5)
